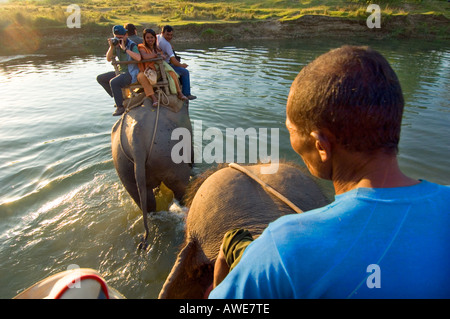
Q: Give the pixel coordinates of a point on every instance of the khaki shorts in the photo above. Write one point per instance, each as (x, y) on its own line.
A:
(234, 243)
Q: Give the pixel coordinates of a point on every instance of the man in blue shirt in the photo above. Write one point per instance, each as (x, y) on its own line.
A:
(386, 235)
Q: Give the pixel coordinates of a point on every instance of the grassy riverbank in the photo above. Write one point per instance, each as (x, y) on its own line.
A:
(30, 25)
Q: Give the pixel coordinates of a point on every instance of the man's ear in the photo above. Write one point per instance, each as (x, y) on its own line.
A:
(322, 144)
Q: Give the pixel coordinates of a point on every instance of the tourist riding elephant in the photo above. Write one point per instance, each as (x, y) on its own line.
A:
(230, 199)
(142, 154)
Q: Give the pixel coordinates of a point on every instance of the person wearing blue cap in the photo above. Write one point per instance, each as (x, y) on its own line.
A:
(125, 50)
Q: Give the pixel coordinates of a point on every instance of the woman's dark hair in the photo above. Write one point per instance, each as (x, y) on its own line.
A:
(145, 42)
(355, 94)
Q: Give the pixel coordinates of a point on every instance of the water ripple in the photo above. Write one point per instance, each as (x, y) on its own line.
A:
(61, 201)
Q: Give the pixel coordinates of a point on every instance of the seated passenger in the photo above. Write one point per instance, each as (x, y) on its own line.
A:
(181, 68)
(149, 50)
(125, 50)
(132, 33)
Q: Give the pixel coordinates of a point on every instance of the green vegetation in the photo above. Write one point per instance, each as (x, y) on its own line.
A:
(206, 19)
(45, 13)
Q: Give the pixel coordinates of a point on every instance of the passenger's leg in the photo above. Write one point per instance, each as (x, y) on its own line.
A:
(177, 84)
(117, 84)
(148, 88)
(184, 79)
(103, 80)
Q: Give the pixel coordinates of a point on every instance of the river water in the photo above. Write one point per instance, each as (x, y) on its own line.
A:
(61, 202)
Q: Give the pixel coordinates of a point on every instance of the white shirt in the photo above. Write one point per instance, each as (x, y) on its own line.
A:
(165, 47)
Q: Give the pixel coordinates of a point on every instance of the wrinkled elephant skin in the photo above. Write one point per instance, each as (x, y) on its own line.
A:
(229, 199)
(142, 166)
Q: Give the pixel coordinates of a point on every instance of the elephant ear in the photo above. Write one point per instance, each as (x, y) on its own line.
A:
(116, 125)
(191, 275)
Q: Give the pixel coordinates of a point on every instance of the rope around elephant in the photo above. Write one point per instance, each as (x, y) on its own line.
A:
(128, 109)
(267, 187)
(143, 244)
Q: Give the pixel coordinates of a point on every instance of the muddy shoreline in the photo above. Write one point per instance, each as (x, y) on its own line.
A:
(88, 37)
(310, 26)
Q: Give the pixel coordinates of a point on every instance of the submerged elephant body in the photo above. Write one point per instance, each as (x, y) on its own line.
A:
(142, 155)
(229, 199)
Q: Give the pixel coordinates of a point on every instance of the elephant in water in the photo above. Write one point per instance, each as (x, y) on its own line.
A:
(229, 199)
(142, 155)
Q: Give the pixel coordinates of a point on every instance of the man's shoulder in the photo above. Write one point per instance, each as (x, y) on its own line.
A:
(439, 187)
(354, 207)
(163, 43)
(291, 220)
(131, 44)
(161, 39)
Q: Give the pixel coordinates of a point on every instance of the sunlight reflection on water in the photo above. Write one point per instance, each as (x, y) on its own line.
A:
(61, 202)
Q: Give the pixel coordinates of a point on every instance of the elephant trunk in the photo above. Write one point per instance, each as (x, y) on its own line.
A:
(191, 276)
